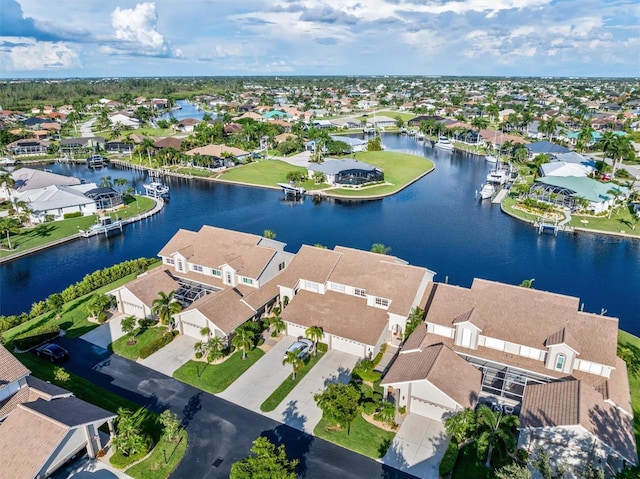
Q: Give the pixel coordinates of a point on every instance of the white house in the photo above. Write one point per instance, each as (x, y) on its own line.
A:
(124, 119)
(57, 201)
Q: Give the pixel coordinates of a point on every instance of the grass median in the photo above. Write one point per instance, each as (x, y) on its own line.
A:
(143, 336)
(363, 437)
(288, 384)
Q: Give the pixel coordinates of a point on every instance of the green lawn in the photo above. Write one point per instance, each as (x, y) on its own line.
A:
(263, 173)
(215, 378)
(468, 465)
(393, 114)
(627, 340)
(148, 131)
(156, 466)
(49, 232)
(288, 384)
(142, 336)
(400, 169)
(364, 437)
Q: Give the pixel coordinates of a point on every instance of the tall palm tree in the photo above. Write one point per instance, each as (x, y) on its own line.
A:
(7, 181)
(165, 306)
(296, 363)
(621, 149)
(243, 340)
(9, 226)
(278, 325)
(585, 136)
(496, 430)
(314, 333)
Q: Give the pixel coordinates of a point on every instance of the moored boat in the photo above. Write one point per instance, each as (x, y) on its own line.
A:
(487, 191)
(444, 143)
(156, 189)
(491, 158)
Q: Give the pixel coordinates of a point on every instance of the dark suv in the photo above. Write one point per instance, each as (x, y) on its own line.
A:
(52, 352)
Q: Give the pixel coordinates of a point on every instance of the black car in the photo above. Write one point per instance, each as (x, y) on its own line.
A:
(52, 351)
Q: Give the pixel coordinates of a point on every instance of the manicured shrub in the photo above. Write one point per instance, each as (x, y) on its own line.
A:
(369, 407)
(156, 345)
(449, 459)
(75, 214)
(322, 347)
(35, 336)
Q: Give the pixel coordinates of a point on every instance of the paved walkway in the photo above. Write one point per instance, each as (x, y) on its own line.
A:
(106, 333)
(418, 447)
(172, 356)
(298, 409)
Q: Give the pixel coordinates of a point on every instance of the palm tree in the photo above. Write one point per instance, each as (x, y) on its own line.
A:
(548, 127)
(380, 248)
(7, 227)
(120, 183)
(528, 283)
(585, 136)
(621, 149)
(7, 181)
(296, 363)
(314, 333)
(496, 430)
(278, 325)
(243, 340)
(269, 234)
(165, 306)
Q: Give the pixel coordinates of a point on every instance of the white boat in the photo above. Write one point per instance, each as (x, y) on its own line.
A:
(105, 226)
(487, 191)
(491, 158)
(156, 189)
(444, 143)
(498, 177)
(419, 136)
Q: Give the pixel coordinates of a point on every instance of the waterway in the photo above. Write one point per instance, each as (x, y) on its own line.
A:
(437, 223)
(187, 110)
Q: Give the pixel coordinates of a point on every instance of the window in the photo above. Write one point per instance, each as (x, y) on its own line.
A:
(494, 343)
(382, 302)
(360, 292)
(198, 268)
(560, 359)
(216, 272)
(180, 265)
(169, 261)
(247, 280)
(228, 278)
(311, 286)
(528, 352)
(281, 266)
(337, 287)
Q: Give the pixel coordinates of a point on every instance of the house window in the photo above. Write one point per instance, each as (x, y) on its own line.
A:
(337, 287)
(382, 302)
(281, 266)
(560, 359)
(360, 292)
(311, 286)
(228, 278)
(179, 265)
(198, 268)
(169, 261)
(216, 272)
(247, 280)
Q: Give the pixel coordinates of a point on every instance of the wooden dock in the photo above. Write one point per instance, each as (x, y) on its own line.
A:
(496, 200)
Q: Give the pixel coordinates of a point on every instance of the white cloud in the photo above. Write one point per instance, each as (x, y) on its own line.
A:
(25, 54)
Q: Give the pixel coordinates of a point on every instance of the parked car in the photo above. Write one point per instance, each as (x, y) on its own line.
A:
(52, 352)
(302, 347)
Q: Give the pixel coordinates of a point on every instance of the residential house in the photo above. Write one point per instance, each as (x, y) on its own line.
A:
(354, 144)
(56, 201)
(82, 144)
(188, 125)
(347, 172)
(43, 425)
(577, 193)
(125, 119)
(381, 121)
(545, 148)
(218, 154)
(26, 179)
(28, 147)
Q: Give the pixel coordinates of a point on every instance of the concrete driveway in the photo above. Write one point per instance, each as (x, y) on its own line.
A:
(172, 356)
(418, 447)
(106, 333)
(85, 468)
(298, 409)
(260, 380)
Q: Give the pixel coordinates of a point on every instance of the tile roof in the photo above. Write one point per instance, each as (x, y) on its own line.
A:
(339, 314)
(311, 264)
(10, 368)
(217, 151)
(441, 367)
(225, 309)
(147, 286)
(30, 179)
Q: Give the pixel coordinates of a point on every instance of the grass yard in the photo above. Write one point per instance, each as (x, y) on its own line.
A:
(468, 465)
(288, 384)
(156, 466)
(148, 131)
(364, 437)
(632, 343)
(142, 336)
(215, 378)
(393, 114)
(262, 173)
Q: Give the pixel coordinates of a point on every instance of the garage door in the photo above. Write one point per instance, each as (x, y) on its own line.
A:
(132, 309)
(295, 330)
(347, 346)
(190, 329)
(427, 409)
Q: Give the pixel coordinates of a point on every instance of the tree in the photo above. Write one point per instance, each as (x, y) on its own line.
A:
(106, 182)
(265, 462)
(165, 306)
(461, 426)
(170, 423)
(9, 226)
(98, 306)
(416, 316)
(314, 333)
(269, 234)
(55, 303)
(513, 471)
(585, 137)
(527, 283)
(120, 183)
(495, 431)
(375, 144)
(243, 341)
(296, 362)
(61, 376)
(340, 403)
(278, 325)
(129, 437)
(380, 248)
(128, 326)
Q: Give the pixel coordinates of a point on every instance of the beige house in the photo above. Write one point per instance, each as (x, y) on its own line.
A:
(43, 425)
(535, 354)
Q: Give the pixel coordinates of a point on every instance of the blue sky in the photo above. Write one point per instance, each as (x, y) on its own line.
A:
(97, 38)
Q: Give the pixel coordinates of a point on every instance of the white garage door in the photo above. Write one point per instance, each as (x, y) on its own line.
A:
(295, 330)
(190, 329)
(347, 346)
(427, 409)
(132, 309)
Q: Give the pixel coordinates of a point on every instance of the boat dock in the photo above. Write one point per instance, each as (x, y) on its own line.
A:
(496, 200)
(292, 191)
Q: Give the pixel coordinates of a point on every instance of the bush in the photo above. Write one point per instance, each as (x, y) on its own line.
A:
(322, 347)
(156, 345)
(75, 214)
(35, 336)
(369, 407)
(449, 459)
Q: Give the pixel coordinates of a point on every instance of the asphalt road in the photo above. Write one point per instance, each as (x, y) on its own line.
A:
(220, 433)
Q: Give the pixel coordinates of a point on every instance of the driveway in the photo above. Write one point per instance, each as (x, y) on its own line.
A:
(106, 333)
(172, 356)
(418, 447)
(85, 468)
(260, 380)
(298, 409)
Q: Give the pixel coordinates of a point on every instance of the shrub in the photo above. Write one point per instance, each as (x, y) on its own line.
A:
(75, 214)
(156, 345)
(449, 459)
(369, 407)
(402, 409)
(322, 347)
(38, 335)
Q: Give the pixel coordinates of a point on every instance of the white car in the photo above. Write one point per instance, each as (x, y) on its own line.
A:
(302, 347)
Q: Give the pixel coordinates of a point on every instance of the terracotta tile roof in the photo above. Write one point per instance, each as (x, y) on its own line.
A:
(10, 368)
(570, 403)
(147, 286)
(214, 247)
(563, 337)
(526, 316)
(310, 263)
(169, 142)
(336, 313)
(415, 340)
(471, 316)
(615, 389)
(441, 367)
(257, 298)
(225, 309)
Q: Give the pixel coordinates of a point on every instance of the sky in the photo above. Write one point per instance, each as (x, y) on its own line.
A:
(122, 38)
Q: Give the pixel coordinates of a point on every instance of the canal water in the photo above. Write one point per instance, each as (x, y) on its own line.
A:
(437, 223)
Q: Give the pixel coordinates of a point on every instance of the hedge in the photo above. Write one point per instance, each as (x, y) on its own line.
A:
(449, 459)
(322, 347)
(75, 214)
(156, 345)
(35, 336)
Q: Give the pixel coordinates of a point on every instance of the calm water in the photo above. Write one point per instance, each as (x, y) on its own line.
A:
(188, 110)
(436, 223)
